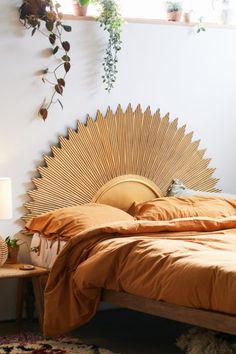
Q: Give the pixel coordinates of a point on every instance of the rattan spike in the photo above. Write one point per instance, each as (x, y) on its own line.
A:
(178, 160)
(64, 185)
(154, 128)
(129, 110)
(103, 147)
(140, 140)
(112, 127)
(105, 144)
(166, 148)
(120, 143)
(143, 137)
(170, 147)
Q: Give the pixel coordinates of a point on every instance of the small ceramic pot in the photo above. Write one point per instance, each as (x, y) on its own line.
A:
(80, 10)
(12, 255)
(187, 17)
(174, 16)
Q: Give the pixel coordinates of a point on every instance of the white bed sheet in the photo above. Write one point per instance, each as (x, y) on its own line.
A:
(45, 251)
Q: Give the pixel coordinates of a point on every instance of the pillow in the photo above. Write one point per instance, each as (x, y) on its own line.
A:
(169, 208)
(70, 221)
(177, 188)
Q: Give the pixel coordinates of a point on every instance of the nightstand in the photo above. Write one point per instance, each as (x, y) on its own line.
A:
(8, 271)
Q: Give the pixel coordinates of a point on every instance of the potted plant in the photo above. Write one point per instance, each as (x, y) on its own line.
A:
(13, 249)
(80, 7)
(174, 10)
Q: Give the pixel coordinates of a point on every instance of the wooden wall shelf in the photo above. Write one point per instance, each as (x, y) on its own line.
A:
(154, 21)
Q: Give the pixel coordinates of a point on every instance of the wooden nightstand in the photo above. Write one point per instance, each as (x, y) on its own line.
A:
(8, 271)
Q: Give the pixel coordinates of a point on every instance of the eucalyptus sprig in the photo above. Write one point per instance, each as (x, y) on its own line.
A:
(34, 15)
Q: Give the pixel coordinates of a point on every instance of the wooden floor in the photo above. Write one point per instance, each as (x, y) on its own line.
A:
(121, 331)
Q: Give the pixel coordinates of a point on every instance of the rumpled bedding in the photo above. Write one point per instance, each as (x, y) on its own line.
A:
(189, 262)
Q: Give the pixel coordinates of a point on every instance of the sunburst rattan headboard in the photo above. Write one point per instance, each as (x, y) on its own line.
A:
(150, 148)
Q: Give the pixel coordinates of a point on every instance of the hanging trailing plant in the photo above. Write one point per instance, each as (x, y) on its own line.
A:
(111, 21)
(44, 16)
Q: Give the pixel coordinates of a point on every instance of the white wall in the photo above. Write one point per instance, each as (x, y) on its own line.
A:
(191, 76)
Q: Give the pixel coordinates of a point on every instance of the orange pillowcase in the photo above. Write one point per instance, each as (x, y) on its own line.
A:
(70, 221)
(169, 208)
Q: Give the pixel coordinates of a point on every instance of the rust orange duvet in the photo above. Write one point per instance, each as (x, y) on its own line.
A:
(189, 262)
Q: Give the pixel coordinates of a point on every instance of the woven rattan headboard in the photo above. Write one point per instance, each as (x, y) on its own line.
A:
(141, 148)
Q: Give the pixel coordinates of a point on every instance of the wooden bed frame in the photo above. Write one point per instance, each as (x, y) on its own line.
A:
(133, 156)
(208, 319)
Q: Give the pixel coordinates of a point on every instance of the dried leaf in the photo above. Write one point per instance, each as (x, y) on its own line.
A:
(61, 82)
(52, 38)
(59, 89)
(43, 112)
(67, 66)
(66, 46)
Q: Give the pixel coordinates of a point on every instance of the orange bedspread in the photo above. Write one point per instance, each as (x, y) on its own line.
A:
(189, 262)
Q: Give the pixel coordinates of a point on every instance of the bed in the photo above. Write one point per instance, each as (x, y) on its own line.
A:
(116, 160)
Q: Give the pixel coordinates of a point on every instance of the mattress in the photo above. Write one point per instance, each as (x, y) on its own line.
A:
(44, 252)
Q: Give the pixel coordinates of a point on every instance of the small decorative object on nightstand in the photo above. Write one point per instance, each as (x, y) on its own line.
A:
(13, 249)
(5, 213)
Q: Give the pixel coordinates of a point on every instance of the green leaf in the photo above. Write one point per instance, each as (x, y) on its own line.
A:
(66, 46)
(65, 58)
(67, 28)
(49, 26)
(43, 112)
(84, 2)
(33, 32)
(55, 50)
(59, 89)
(52, 38)
(67, 66)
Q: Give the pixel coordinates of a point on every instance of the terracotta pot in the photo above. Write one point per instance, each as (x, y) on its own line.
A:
(80, 10)
(174, 16)
(12, 255)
